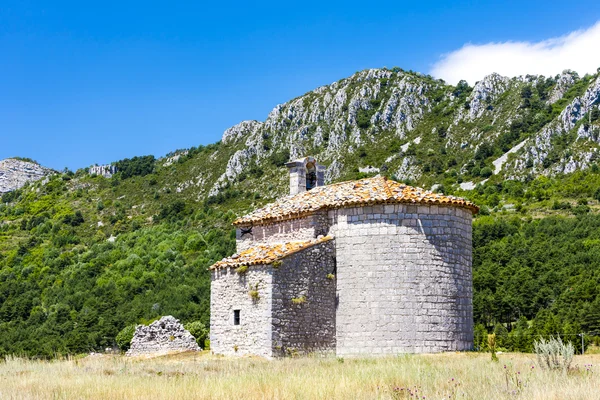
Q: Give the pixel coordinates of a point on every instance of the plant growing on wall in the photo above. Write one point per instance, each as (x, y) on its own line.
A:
(299, 300)
(242, 269)
(253, 292)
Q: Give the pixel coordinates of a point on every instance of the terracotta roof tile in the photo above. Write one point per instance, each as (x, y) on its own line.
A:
(267, 253)
(377, 190)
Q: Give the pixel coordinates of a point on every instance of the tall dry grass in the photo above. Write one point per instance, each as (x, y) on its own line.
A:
(201, 376)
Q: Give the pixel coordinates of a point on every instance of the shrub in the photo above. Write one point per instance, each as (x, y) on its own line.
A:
(136, 166)
(597, 194)
(75, 219)
(199, 331)
(561, 205)
(553, 353)
(480, 337)
(581, 209)
(124, 337)
(280, 158)
(173, 211)
(486, 172)
(363, 118)
(491, 342)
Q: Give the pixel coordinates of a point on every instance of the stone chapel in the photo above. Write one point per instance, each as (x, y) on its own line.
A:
(365, 267)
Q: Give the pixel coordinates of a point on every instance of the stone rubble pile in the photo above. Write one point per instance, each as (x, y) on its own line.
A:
(160, 337)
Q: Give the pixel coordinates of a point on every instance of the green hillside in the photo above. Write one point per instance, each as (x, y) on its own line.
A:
(82, 257)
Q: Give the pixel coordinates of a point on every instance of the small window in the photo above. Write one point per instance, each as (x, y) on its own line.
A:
(236, 317)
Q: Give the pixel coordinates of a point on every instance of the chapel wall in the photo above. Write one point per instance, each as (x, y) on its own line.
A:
(305, 228)
(404, 280)
(304, 302)
(231, 291)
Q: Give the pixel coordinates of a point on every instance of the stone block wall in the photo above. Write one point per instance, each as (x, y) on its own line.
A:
(404, 280)
(306, 324)
(273, 324)
(231, 291)
(297, 178)
(305, 228)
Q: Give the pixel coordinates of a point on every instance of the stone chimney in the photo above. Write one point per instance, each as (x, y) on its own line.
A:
(305, 174)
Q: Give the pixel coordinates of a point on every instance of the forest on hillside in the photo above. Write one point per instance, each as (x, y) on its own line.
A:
(83, 257)
(65, 288)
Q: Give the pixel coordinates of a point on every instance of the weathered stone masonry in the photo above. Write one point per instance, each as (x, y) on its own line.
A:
(310, 325)
(375, 267)
(403, 279)
(293, 311)
(164, 336)
(305, 228)
(231, 291)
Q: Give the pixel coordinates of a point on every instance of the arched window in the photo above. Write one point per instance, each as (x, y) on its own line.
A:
(311, 176)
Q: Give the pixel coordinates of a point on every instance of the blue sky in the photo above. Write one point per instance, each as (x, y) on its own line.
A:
(96, 83)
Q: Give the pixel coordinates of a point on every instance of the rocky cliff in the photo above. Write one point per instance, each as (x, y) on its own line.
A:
(420, 129)
(15, 173)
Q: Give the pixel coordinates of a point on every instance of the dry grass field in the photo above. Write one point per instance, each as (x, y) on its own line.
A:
(202, 376)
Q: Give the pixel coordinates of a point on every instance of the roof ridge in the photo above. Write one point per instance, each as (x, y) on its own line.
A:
(386, 187)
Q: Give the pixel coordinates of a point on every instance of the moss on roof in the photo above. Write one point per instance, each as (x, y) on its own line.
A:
(377, 190)
(267, 253)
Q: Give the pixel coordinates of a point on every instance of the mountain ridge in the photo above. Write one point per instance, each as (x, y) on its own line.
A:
(497, 104)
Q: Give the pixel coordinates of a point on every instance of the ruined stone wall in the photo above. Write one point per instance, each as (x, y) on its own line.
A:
(305, 228)
(106, 171)
(404, 280)
(166, 335)
(231, 291)
(304, 302)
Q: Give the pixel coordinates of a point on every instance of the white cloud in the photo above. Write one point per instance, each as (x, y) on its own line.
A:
(579, 51)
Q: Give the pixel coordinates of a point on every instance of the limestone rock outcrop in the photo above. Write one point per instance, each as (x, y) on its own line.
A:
(166, 335)
(350, 111)
(15, 173)
(564, 83)
(484, 92)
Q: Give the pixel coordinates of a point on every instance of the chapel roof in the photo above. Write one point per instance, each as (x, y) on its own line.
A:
(368, 191)
(268, 253)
